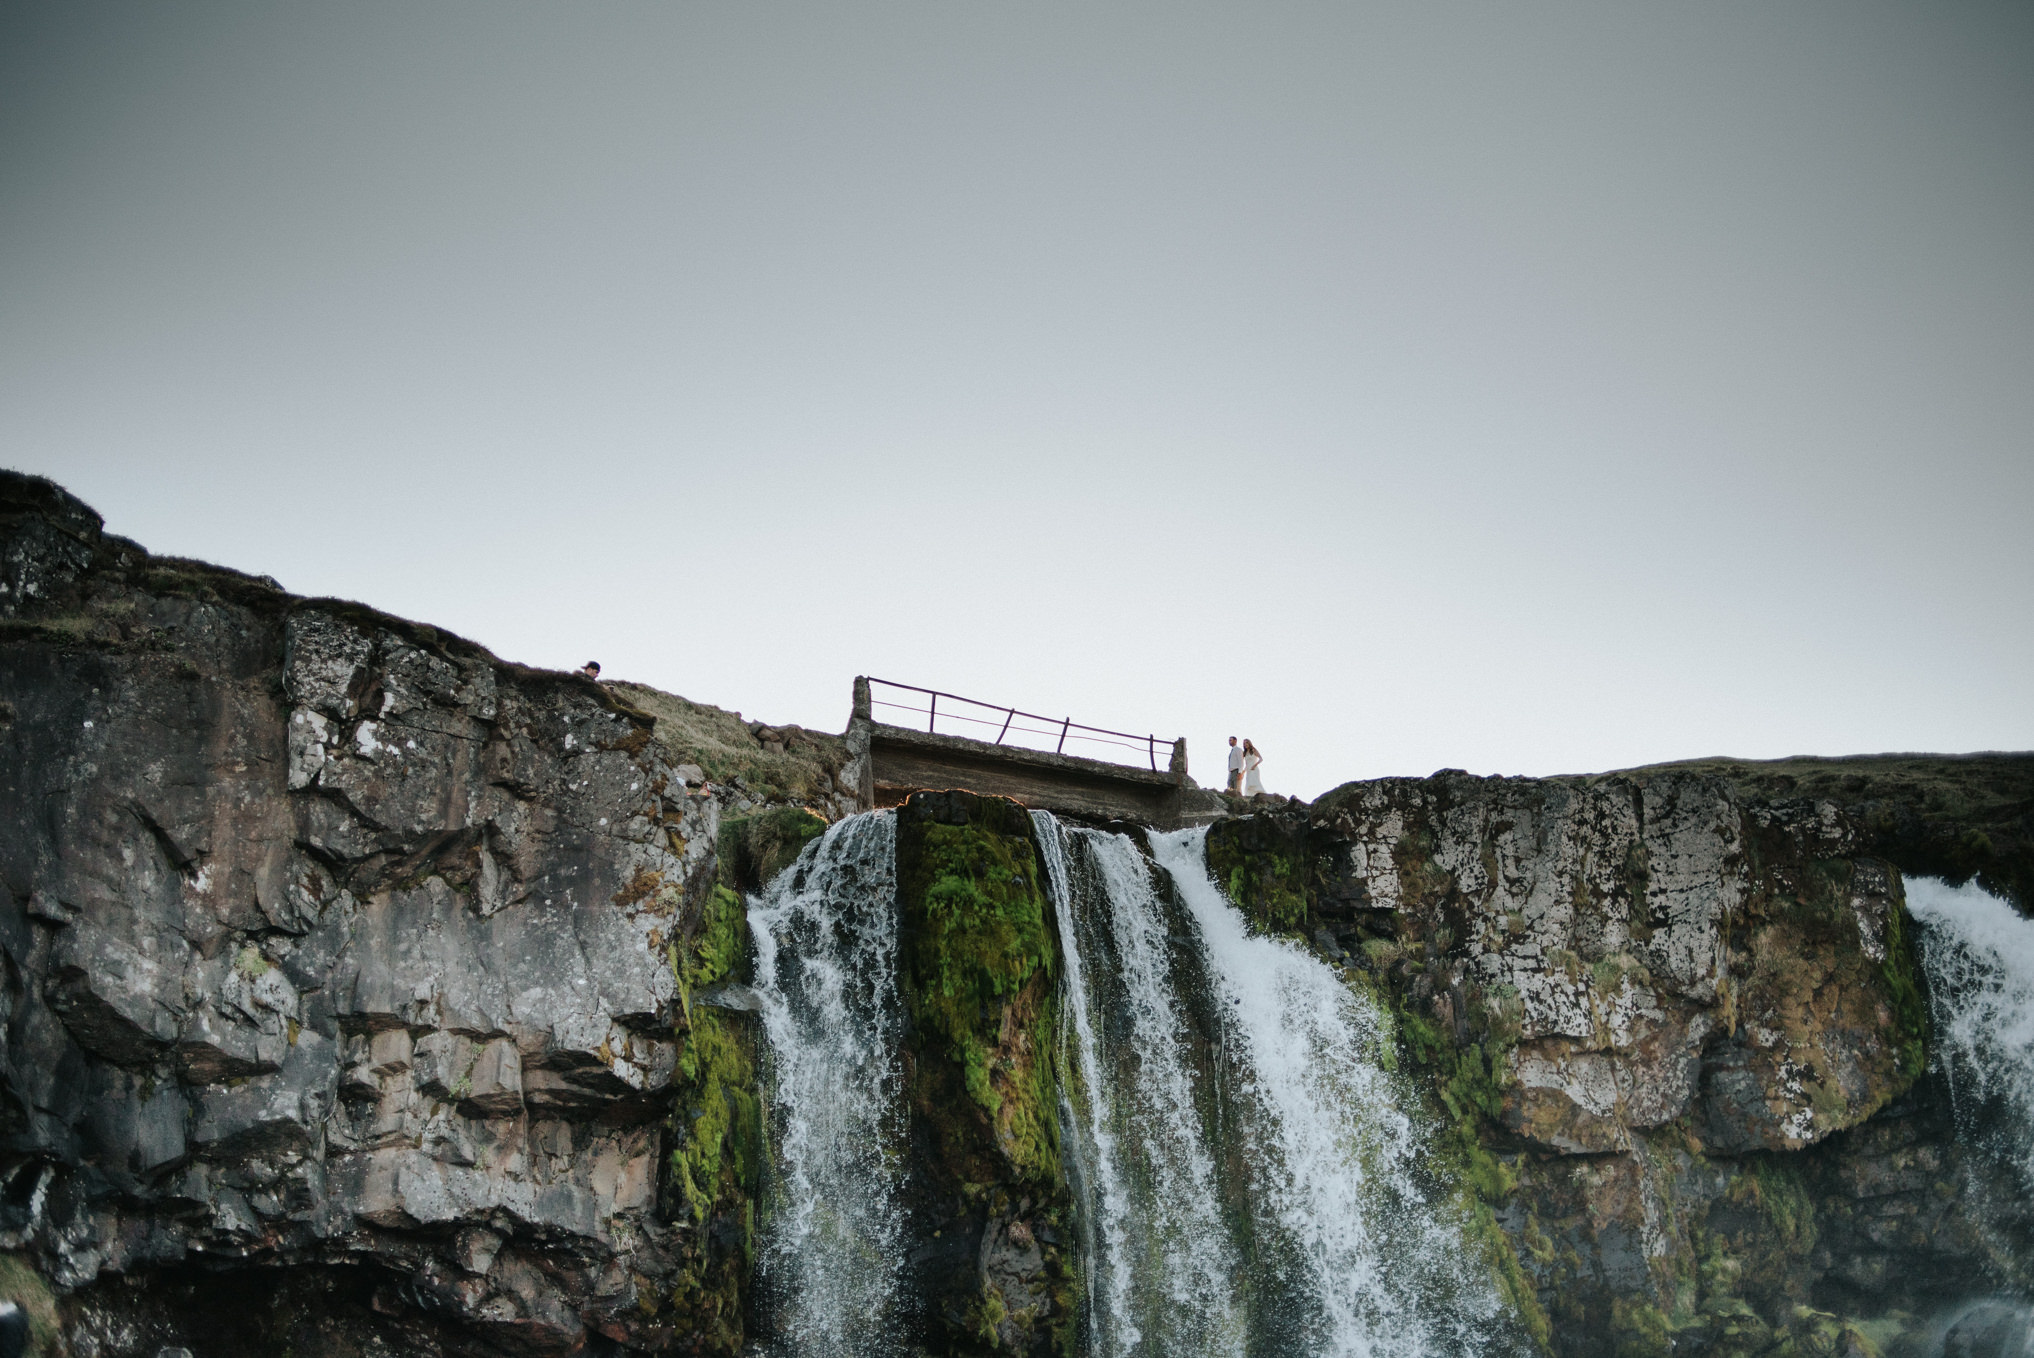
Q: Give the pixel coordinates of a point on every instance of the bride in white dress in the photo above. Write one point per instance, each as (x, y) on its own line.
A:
(1253, 786)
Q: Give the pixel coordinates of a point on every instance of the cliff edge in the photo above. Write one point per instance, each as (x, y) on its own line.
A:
(350, 972)
(365, 994)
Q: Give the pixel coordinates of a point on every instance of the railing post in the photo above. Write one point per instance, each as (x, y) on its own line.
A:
(1151, 749)
(932, 717)
(1009, 715)
(1179, 762)
(862, 704)
(1061, 747)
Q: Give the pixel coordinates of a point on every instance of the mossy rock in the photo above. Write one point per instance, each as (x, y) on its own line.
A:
(979, 968)
(718, 1143)
(26, 1288)
(754, 849)
(1276, 868)
(978, 972)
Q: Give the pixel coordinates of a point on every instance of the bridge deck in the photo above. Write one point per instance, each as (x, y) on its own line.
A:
(895, 761)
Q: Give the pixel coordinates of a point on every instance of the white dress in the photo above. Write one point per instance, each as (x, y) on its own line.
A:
(1253, 786)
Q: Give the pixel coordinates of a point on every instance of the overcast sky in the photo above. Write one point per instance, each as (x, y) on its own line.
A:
(1527, 388)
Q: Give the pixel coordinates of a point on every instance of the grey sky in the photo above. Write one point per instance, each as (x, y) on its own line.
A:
(1525, 388)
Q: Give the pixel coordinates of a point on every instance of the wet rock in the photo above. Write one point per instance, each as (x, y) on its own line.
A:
(975, 973)
(1990, 1329)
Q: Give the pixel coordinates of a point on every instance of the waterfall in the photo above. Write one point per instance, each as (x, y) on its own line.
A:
(834, 1244)
(1978, 953)
(1359, 1256)
(1245, 1163)
(1249, 1174)
(1163, 1269)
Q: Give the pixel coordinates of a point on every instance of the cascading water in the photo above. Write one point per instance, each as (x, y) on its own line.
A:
(1978, 953)
(826, 968)
(1357, 1256)
(1164, 1270)
(1246, 1172)
(1248, 1175)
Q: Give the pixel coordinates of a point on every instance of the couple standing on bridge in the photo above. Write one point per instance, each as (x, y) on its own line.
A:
(1243, 764)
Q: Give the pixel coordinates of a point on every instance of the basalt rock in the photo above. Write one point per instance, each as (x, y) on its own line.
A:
(1941, 815)
(1674, 1037)
(345, 969)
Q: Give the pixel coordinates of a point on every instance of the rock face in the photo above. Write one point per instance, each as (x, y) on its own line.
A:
(363, 994)
(1675, 1039)
(979, 975)
(337, 946)
(1952, 816)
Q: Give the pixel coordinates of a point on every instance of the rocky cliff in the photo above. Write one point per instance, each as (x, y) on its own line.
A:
(363, 993)
(1675, 1039)
(353, 977)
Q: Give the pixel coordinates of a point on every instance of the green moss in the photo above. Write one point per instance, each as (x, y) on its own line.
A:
(1422, 883)
(718, 945)
(1639, 1330)
(976, 970)
(989, 1313)
(1902, 976)
(1637, 878)
(1749, 1249)
(1269, 868)
(978, 978)
(22, 1285)
(754, 849)
(1465, 1083)
(1379, 953)
(1774, 1187)
(722, 1152)
(1271, 888)
(718, 1143)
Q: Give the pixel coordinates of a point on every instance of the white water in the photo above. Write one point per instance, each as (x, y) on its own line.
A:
(1247, 1174)
(826, 967)
(1166, 1276)
(1979, 955)
(1370, 1265)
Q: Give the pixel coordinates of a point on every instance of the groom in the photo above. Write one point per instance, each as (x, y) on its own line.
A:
(1235, 767)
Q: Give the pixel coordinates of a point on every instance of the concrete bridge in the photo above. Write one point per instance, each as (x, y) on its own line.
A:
(893, 760)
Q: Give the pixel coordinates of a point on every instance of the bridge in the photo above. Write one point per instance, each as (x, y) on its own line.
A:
(905, 739)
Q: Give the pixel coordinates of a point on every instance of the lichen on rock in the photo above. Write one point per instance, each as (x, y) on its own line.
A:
(342, 949)
(1648, 1015)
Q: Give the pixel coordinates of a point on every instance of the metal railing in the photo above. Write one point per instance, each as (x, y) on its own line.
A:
(1008, 722)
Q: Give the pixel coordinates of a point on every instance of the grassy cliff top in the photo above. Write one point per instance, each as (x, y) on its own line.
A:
(726, 747)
